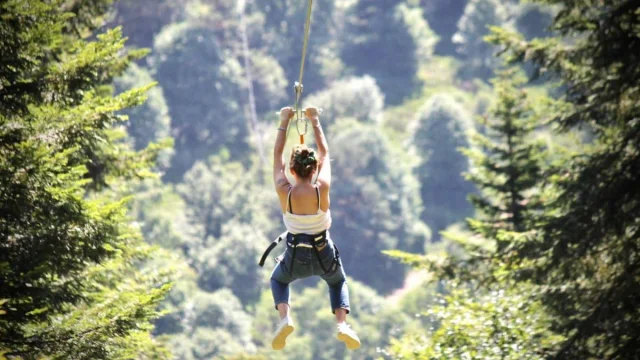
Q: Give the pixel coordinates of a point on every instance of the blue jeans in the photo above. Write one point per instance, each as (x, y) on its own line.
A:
(306, 264)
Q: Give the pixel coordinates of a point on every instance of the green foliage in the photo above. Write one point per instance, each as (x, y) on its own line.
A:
(270, 82)
(161, 214)
(534, 20)
(26, 31)
(203, 98)
(279, 30)
(149, 122)
(500, 320)
(407, 41)
(228, 226)
(220, 309)
(473, 26)
(205, 83)
(215, 326)
(358, 98)
(440, 129)
(86, 17)
(219, 192)
(507, 162)
(442, 16)
(586, 253)
(75, 281)
(142, 20)
(203, 325)
(229, 261)
(424, 294)
(424, 38)
(496, 325)
(374, 201)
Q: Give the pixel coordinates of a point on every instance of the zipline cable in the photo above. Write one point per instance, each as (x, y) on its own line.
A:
(298, 87)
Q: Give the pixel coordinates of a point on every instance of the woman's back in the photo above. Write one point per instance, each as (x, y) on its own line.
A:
(306, 199)
(304, 213)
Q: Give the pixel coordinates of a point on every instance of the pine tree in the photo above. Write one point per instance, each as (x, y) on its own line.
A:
(498, 320)
(506, 163)
(586, 254)
(72, 274)
(506, 167)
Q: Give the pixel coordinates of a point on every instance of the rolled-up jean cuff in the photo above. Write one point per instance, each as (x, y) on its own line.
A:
(281, 302)
(342, 307)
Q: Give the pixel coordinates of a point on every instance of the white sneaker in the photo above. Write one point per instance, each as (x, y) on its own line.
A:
(348, 336)
(284, 329)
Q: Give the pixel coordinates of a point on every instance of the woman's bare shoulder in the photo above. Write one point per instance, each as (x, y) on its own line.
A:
(322, 185)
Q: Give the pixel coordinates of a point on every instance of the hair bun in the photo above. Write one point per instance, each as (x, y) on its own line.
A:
(303, 161)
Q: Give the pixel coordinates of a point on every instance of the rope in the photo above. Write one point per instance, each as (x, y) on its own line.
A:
(298, 85)
(307, 27)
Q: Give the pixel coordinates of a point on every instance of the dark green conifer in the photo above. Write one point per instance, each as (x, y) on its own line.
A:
(72, 283)
(587, 254)
(506, 162)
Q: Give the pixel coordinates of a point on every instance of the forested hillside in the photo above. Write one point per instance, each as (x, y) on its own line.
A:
(485, 164)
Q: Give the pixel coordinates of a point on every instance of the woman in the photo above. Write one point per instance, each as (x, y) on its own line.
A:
(305, 209)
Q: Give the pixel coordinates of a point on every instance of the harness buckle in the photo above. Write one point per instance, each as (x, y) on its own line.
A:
(303, 245)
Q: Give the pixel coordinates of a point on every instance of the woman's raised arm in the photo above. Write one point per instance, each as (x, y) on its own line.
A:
(279, 177)
(324, 166)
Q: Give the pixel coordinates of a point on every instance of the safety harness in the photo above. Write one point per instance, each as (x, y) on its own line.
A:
(316, 242)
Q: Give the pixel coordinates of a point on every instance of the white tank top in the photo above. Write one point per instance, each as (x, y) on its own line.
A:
(306, 224)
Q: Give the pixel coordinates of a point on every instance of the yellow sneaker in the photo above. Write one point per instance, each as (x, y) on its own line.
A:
(348, 336)
(285, 328)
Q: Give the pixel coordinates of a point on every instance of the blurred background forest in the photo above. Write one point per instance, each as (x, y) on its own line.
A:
(485, 206)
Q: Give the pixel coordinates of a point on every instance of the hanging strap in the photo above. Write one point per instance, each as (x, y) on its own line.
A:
(273, 244)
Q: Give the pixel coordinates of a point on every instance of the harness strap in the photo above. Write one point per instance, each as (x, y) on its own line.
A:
(315, 250)
(294, 242)
(293, 260)
(273, 244)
